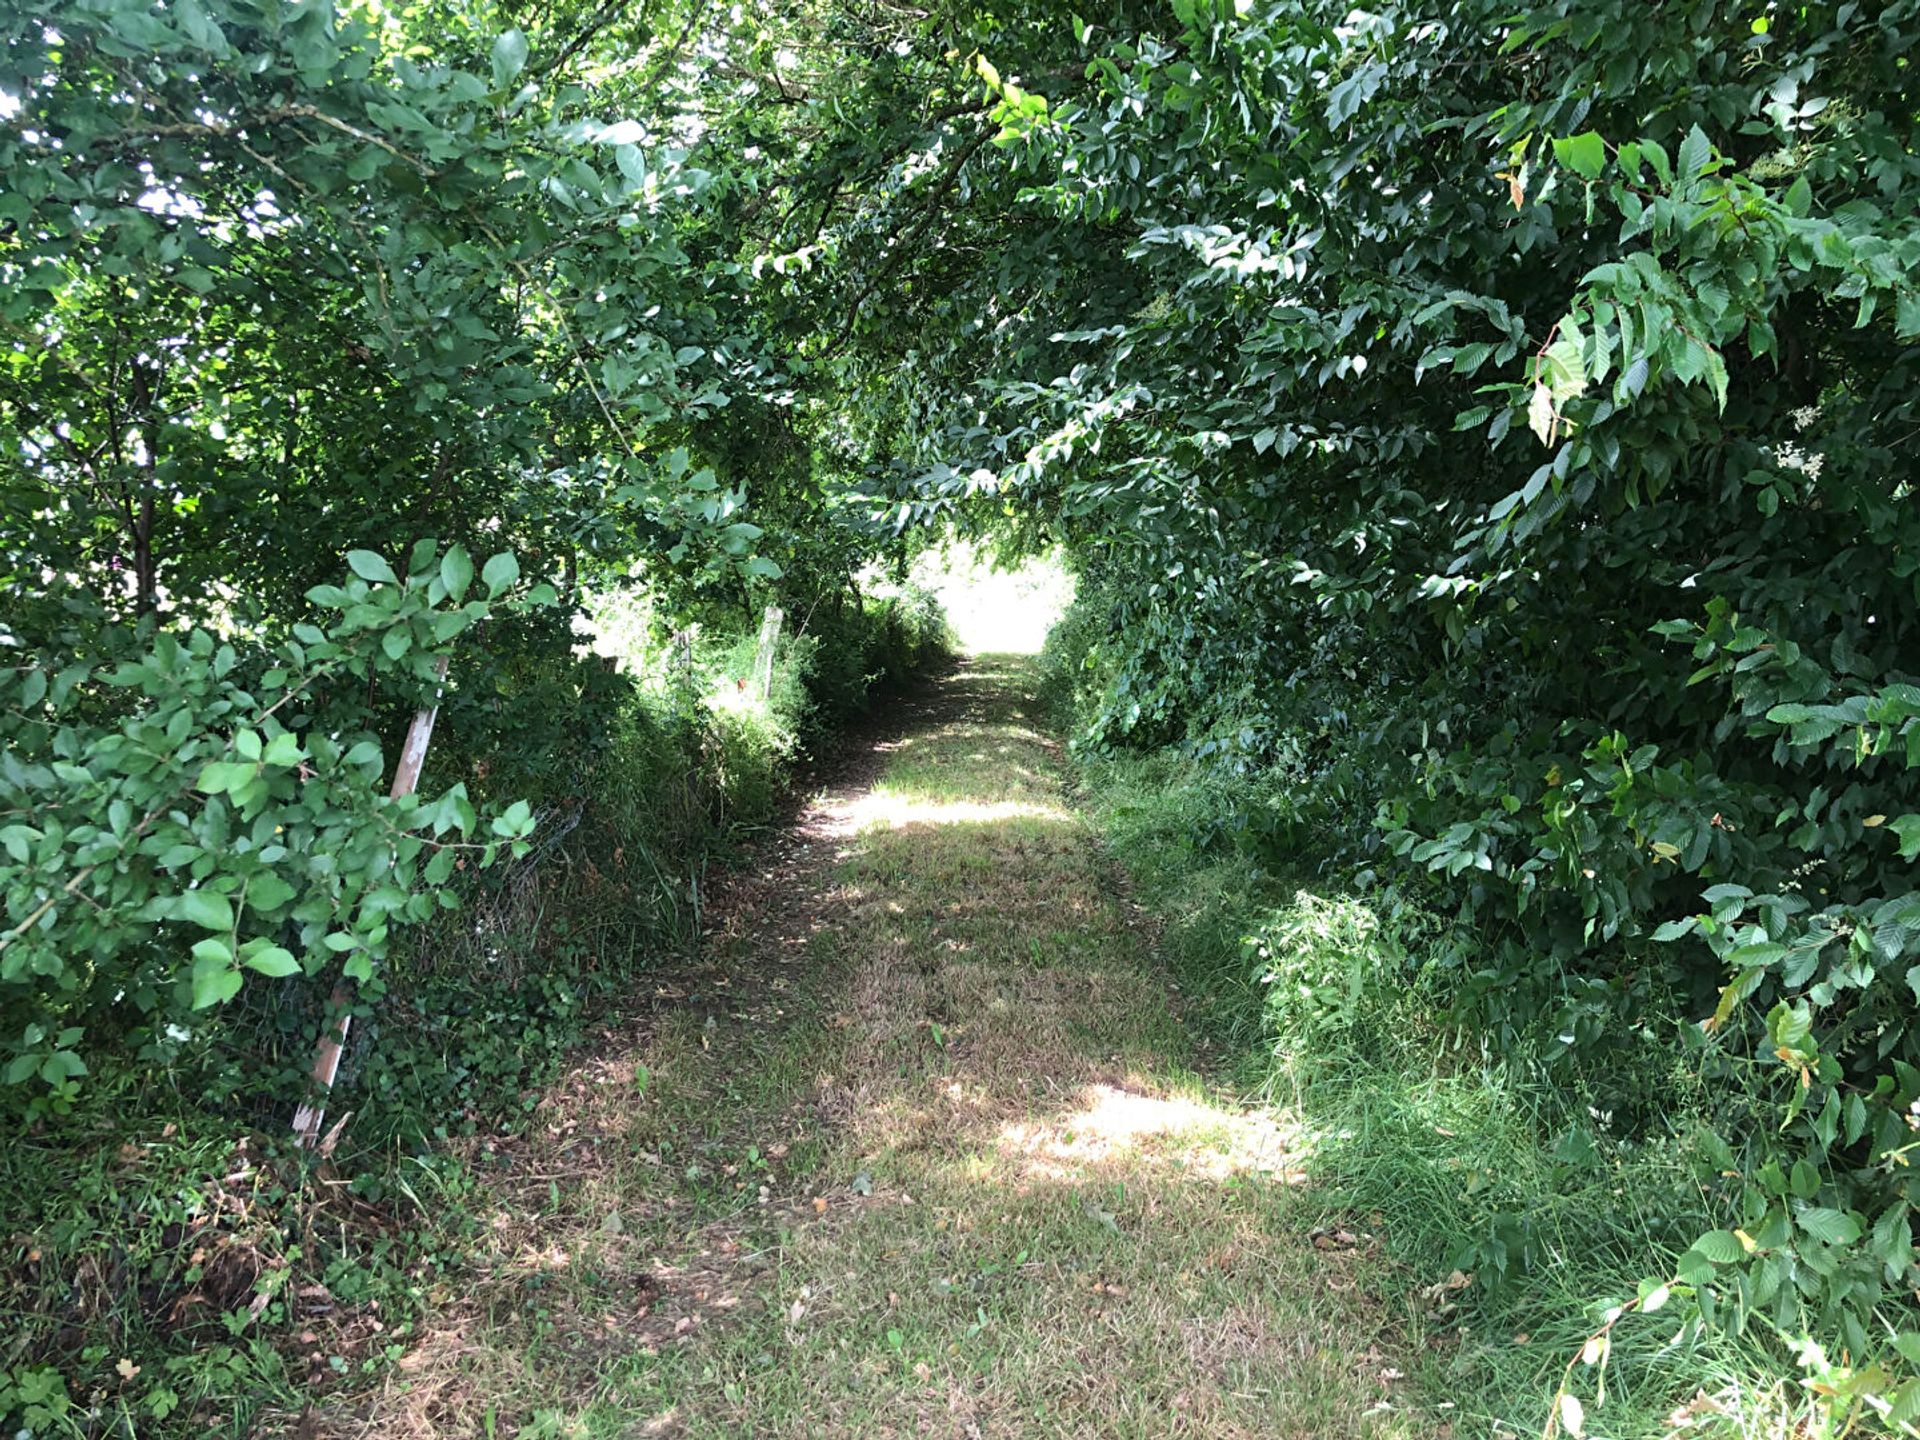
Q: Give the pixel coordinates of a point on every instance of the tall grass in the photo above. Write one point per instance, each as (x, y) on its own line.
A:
(1516, 1213)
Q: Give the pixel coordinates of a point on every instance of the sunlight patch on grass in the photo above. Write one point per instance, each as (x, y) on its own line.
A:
(890, 810)
(1201, 1138)
(970, 1186)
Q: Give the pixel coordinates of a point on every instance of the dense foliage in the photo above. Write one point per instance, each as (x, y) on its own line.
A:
(1488, 434)
(1483, 435)
(305, 312)
(292, 298)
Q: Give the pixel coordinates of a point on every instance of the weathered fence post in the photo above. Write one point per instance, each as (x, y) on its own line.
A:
(681, 661)
(333, 1033)
(763, 657)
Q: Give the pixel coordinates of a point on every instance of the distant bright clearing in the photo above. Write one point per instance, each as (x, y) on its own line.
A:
(996, 611)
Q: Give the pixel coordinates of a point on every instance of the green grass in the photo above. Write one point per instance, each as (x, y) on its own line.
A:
(930, 1150)
(974, 1118)
(1512, 1217)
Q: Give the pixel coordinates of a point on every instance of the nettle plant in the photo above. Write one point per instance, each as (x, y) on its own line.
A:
(183, 813)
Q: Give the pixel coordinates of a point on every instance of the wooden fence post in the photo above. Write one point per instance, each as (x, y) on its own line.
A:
(333, 1033)
(763, 657)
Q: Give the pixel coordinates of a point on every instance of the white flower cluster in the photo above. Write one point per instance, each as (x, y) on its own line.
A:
(1789, 456)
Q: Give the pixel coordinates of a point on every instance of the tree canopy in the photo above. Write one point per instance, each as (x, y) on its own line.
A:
(1487, 432)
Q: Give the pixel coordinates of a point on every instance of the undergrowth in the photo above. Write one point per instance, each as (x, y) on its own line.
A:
(1516, 1211)
(171, 1265)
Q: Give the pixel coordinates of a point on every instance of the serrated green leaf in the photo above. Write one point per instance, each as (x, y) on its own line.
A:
(1834, 1227)
(1722, 1247)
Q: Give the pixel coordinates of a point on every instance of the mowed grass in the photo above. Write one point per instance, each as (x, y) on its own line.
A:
(922, 1152)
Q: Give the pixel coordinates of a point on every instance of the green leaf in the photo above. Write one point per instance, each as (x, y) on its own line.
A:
(62, 1065)
(208, 909)
(1722, 1247)
(1903, 1405)
(272, 960)
(500, 572)
(212, 951)
(283, 750)
(214, 985)
(1585, 155)
(371, 568)
(1696, 152)
(1834, 1227)
(456, 573)
(268, 892)
(224, 776)
(509, 57)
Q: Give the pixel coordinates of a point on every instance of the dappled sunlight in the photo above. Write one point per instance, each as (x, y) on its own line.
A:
(970, 1182)
(1115, 1123)
(889, 810)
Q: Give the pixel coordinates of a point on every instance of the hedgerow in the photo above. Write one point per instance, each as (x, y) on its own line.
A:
(1482, 435)
(159, 1215)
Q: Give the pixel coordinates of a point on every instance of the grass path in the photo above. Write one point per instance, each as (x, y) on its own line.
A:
(918, 1150)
